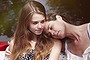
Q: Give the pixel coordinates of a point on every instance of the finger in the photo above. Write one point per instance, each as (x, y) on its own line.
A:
(7, 52)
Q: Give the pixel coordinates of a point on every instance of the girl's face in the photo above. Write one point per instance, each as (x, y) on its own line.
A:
(37, 23)
(55, 28)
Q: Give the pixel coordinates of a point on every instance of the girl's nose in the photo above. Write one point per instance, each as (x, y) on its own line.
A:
(39, 25)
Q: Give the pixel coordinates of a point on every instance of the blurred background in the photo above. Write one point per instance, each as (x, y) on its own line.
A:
(76, 11)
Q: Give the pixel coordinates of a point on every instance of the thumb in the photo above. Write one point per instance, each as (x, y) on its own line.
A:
(58, 17)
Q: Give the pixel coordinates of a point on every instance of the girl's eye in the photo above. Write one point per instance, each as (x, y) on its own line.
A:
(42, 21)
(51, 28)
(35, 22)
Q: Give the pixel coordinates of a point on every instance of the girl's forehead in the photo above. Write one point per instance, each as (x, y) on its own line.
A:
(37, 16)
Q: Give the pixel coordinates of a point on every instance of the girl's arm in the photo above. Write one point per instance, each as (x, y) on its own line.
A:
(56, 50)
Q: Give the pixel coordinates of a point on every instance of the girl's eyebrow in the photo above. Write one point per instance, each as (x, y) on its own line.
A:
(43, 20)
(36, 21)
(33, 21)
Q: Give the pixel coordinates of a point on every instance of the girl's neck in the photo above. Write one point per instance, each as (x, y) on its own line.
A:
(35, 37)
(78, 36)
(72, 31)
(33, 44)
(33, 41)
(77, 33)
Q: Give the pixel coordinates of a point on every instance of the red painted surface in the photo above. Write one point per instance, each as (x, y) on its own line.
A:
(3, 46)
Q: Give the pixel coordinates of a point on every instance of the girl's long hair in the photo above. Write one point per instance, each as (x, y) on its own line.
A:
(23, 35)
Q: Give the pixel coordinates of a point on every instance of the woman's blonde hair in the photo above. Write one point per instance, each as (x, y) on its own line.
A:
(23, 35)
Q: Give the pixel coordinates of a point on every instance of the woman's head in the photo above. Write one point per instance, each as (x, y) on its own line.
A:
(55, 27)
(32, 11)
(31, 22)
(29, 11)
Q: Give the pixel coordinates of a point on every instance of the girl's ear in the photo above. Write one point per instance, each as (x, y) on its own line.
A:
(58, 17)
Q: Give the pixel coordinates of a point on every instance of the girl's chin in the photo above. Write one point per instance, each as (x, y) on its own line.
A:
(38, 33)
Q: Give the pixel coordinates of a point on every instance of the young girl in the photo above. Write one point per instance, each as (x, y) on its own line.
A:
(29, 42)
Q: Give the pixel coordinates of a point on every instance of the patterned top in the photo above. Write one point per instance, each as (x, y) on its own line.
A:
(30, 56)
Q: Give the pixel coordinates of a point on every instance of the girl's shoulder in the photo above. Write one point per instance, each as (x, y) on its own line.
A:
(56, 50)
(57, 44)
